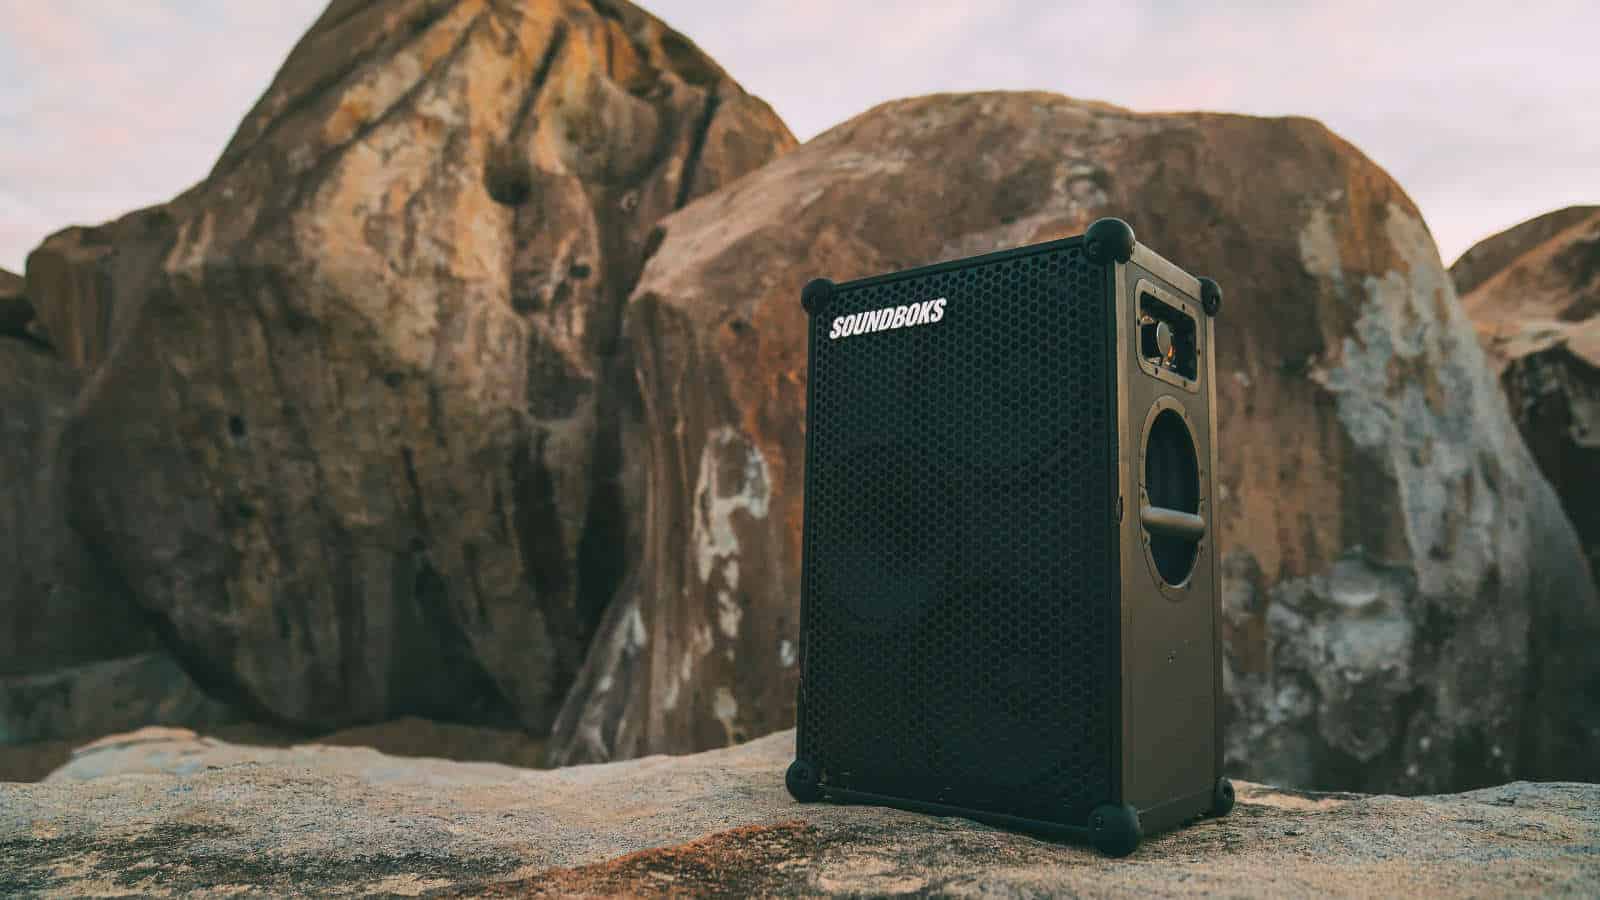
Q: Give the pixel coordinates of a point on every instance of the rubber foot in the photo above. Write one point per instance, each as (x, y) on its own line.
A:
(1115, 830)
(1222, 797)
(803, 782)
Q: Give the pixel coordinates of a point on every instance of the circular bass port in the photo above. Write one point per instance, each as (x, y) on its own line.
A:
(1170, 496)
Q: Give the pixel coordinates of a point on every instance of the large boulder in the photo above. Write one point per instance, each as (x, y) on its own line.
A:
(99, 698)
(91, 281)
(346, 436)
(1407, 608)
(16, 313)
(59, 607)
(1534, 294)
(1553, 255)
(163, 812)
(77, 657)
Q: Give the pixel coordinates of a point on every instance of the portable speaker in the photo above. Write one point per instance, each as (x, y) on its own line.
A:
(1009, 603)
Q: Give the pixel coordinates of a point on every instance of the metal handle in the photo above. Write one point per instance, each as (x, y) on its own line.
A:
(1172, 522)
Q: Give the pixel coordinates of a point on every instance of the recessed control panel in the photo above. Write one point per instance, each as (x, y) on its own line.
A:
(1168, 336)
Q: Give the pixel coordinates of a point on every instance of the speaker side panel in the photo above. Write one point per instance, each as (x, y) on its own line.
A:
(1169, 575)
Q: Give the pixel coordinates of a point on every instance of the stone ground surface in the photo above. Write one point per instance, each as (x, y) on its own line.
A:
(409, 736)
(162, 811)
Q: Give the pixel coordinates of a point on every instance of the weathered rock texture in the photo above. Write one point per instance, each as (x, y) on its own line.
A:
(77, 659)
(1493, 255)
(405, 736)
(92, 281)
(163, 812)
(1407, 608)
(99, 698)
(345, 433)
(16, 313)
(1534, 294)
(58, 607)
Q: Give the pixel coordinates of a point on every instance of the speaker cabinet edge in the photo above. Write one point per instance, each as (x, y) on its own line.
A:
(1133, 396)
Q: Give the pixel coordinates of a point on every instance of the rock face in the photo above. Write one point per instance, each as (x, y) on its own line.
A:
(163, 812)
(1534, 293)
(92, 281)
(1407, 608)
(97, 698)
(58, 607)
(77, 659)
(347, 432)
(1557, 242)
(16, 313)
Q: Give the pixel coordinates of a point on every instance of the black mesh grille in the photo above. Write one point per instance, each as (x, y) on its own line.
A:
(959, 572)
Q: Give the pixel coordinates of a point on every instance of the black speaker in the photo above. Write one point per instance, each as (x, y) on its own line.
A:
(1009, 603)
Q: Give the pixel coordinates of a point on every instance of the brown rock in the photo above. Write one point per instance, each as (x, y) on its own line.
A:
(15, 311)
(58, 607)
(406, 736)
(1534, 294)
(114, 695)
(410, 736)
(1494, 255)
(1554, 396)
(347, 437)
(88, 283)
(1407, 608)
(163, 812)
(76, 657)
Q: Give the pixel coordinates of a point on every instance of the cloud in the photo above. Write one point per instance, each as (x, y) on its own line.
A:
(105, 108)
(1483, 111)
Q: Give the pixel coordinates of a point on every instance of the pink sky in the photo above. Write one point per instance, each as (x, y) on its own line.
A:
(1487, 113)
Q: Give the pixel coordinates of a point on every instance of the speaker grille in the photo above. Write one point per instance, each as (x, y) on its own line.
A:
(959, 577)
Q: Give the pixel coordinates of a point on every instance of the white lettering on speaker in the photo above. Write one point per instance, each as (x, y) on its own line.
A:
(924, 313)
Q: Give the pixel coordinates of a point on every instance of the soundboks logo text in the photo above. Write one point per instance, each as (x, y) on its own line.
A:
(924, 313)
